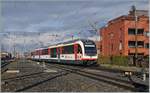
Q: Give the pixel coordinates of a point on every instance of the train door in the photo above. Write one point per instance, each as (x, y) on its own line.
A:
(49, 52)
(75, 51)
(40, 54)
(53, 52)
(58, 54)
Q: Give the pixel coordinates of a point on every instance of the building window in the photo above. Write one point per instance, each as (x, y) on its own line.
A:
(140, 31)
(147, 45)
(131, 31)
(133, 54)
(140, 54)
(140, 44)
(131, 44)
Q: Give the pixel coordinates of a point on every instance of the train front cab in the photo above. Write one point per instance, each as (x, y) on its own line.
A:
(89, 53)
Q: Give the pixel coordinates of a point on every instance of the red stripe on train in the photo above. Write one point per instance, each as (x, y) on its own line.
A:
(88, 58)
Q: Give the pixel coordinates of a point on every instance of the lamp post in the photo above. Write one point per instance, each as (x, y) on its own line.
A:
(14, 46)
(24, 45)
(136, 31)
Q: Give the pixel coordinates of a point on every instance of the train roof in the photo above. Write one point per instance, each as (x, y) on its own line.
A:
(67, 42)
(72, 41)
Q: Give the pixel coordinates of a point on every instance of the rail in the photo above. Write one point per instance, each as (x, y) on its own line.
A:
(126, 84)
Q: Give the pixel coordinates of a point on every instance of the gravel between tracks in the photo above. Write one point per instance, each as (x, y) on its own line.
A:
(50, 81)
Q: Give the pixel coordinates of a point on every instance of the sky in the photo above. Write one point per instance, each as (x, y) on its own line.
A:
(36, 23)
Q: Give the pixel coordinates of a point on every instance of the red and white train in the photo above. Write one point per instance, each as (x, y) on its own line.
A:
(80, 51)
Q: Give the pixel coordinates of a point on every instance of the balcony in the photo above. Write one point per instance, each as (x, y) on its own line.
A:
(132, 44)
(139, 37)
(139, 50)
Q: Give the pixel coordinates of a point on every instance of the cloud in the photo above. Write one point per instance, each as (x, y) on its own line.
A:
(62, 18)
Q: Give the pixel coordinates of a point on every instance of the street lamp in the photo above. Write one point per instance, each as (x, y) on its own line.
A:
(136, 31)
(14, 44)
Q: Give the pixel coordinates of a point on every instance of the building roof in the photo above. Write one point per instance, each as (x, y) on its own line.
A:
(130, 16)
(139, 12)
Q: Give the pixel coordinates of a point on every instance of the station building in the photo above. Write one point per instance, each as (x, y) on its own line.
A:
(118, 37)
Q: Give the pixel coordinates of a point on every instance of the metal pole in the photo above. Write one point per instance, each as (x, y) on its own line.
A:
(136, 31)
(40, 46)
(9, 48)
(24, 46)
(0, 53)
(14, 45)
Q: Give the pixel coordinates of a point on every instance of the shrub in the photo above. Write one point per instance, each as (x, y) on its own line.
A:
(120, 60)
(103, 60)
(115, 60)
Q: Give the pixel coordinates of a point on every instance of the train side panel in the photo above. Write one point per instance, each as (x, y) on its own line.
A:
(73, 53)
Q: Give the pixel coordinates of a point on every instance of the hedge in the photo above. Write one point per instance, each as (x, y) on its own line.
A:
(115, 60)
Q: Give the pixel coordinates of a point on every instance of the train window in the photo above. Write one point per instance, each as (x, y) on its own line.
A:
(40, 52)
(79, 49)
(34, 53)
(53, 52)
(68, 49)
(37, 52)
(44, 51)
(90, 50)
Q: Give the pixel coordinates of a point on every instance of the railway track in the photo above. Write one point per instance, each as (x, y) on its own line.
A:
(32, 80)
(136, 73)
(28, 81)
(68, 70)
(39, 77)
(29, 86)
(22, 77)
(4, 65)
(126, 84)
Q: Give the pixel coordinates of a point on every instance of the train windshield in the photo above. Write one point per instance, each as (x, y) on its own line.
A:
(90, 50)
(90, 47)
